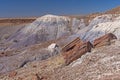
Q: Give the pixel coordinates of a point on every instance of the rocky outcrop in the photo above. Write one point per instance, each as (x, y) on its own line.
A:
(111, 25)
(100, 19)
(54, 49)
(104, 40)
(87, 33)
(75, 50)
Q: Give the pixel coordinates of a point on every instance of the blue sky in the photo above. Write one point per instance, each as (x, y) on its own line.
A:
(21, 8)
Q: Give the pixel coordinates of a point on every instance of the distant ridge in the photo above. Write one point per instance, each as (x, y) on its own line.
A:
(114, 11)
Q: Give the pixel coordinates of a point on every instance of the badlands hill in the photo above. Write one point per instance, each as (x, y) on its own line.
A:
(63, 48)
(46, 28)
(8, 26)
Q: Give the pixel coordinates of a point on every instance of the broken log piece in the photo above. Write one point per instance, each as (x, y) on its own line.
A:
(77, 52)
(104, 40)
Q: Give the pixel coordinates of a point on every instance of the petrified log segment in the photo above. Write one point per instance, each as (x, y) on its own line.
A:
(77, 52)
(71, 45)
(104, 40)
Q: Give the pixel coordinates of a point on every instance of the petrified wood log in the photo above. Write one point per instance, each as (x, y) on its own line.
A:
(77, 52)
(71, 45)
(104, 40)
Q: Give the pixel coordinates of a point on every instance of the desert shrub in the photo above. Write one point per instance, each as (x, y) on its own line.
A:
(5, 36)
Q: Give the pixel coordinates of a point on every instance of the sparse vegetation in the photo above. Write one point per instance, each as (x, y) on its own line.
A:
(6, 36)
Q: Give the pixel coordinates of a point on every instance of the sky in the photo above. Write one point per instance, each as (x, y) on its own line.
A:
(30, 8)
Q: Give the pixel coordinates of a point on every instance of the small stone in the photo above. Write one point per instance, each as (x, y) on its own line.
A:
(12, 74)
